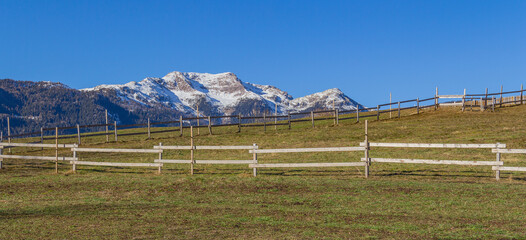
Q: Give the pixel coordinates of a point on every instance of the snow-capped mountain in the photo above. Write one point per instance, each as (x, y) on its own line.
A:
(220, 94)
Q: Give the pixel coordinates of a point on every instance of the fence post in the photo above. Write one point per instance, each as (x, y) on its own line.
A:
(521, 93)
(192, 149)
(398, 109)
(9, 132)
(390, 105)
(276, 116)
(209, 126)
(74, 167)
(42, 137)
(485, 98)
(312, 118)
(481, 105)
(500, 96)
(417, 106)
(239, 123)
(367, 160)
(337, 116)
(377, 112)
(497, 172)
(1, 153)
(436, 98)
(107, 128)
(464, 101)
(198, 120)
(264, 122)
(493, 101)
(56, 149)
(78, 134)
(149, 132)
(181, 125)
(160, 156)
(358, 114)
(115, 126)
(255, 157)
(289, 120)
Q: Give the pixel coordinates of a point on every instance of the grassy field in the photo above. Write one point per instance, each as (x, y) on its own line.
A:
(398, 201)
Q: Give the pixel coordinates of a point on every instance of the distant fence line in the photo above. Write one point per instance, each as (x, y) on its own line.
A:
(466, 101)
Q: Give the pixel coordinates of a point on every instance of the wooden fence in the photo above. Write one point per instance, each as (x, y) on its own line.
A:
(114, 164)
(55, 158)
(479, 102)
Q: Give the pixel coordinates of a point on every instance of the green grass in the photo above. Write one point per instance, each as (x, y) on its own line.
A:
(398, 201)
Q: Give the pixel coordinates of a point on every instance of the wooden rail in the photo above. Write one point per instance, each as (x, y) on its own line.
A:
(114, 150)
(301, 165)
(38, 158)
(434, 145)
(429, 161)
(304, 150)
(116, 164)
(192, 161)
(307, 165)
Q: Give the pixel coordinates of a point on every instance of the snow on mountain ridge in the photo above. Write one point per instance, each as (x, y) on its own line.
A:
(222, 93)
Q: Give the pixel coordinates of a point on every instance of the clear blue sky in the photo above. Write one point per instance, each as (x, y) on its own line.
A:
(365, 48)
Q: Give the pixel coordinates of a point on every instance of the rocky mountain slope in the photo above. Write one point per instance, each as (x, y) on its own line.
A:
(221, 94)
(32, 105)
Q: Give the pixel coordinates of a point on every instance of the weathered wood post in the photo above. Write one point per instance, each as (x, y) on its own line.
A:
(115, 127)
(485, 98)
(1, 153)
(436, 98)
(192, 161)
(398, 109)
(73, 166)
(464, 101)
(160, 155)
(312, 118)
(377, 112)
(78, 135)
(337, 117)
(497, 172)
(289, 121)
(149, 132)
(417, 106)
(500, 96)
(334, 112)
(181, 126)
(41, 137)
(367, 159)
(390, 105)
(255, 157)
(9, 132)
(107, 128)
(358, 114)
(209, 125)
(275, 116)
(56, 149)
(198, 120)
(264, 122)
(493, 101)
(481, 105)
(239, 123)
(521, 93)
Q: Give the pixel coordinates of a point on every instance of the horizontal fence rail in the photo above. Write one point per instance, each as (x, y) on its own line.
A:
(434, 145)
(429, 161)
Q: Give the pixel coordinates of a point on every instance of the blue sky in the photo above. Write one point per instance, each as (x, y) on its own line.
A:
(365, 48)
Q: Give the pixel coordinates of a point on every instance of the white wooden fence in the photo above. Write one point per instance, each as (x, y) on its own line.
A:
(495, 163)
(115, 164)
(55, 158)
(509, 151)
(305, 150)
(193, 161)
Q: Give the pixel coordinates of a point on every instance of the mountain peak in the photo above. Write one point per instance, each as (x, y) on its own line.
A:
(222, 94)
